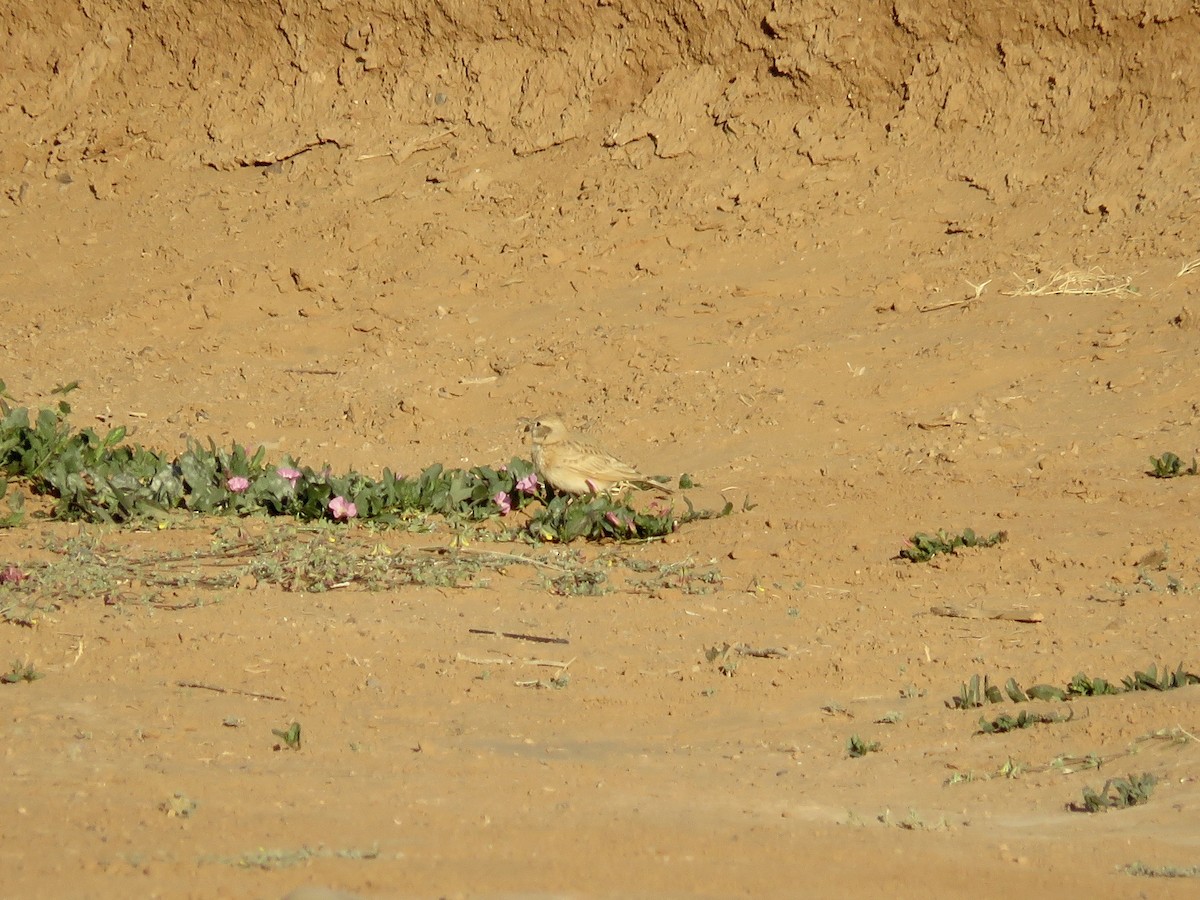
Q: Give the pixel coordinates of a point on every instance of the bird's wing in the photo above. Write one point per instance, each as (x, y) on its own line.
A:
(598, 466)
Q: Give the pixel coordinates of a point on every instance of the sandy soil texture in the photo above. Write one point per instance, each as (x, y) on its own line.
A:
(880, 268)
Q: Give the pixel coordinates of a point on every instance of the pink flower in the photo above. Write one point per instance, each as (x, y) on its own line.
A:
(621, 521)
(12, 575)
(501, 500)
(237, 484)
(528, 484)
(341, 508)
(289, 474)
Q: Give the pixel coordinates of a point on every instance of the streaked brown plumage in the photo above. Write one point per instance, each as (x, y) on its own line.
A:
(575, 465)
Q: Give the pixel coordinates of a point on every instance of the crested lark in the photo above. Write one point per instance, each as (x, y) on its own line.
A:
(575, 465)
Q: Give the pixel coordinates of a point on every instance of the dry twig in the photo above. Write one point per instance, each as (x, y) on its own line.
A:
(221, 690)
(975, 612)
(537, 639)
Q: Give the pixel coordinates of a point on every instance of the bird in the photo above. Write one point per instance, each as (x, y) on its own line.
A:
(575, 465)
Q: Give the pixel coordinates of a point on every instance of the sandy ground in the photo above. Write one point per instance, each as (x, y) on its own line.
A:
(809, 256)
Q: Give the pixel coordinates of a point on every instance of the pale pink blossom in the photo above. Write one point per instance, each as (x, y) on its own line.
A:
(501, 500)
(621, 521)
(237, 484)
(341, 508)
(289, 474)
(528, 484)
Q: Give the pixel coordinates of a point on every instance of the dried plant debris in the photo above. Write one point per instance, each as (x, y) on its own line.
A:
(1094, 282)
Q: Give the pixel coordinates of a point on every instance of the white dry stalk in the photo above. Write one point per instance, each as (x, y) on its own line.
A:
(1093, 282)
(1189, 267)
(977, 288)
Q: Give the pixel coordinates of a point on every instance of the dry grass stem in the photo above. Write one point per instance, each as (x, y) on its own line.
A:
(461, 657)
(1189, 267)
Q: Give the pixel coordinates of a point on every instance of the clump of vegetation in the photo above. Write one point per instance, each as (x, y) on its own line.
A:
(857, 747)
(1118, 793)
(1083, 686)
(563, 518)
(977, 692)
(21, 671)
(1171, 466)
(924, 547)
(1069, 764)
(1146, 871)
(1150, 680)
(1025, 719)
(312, 558)
(271, 860)
(104, 479)
(178, 806)
(912, 822)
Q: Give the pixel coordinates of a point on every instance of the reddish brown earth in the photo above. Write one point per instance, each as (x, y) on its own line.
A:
(732, 239)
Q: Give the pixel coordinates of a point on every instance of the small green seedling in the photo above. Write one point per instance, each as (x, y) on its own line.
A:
(290, 737)
(1171, 466)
